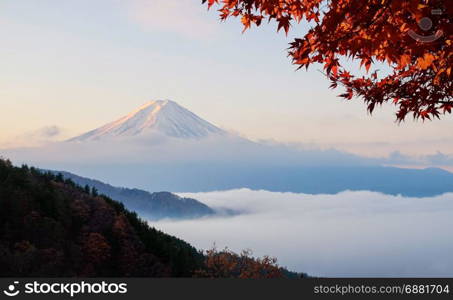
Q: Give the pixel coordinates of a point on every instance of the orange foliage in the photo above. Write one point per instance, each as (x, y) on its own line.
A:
(227, 264)
(413, 37)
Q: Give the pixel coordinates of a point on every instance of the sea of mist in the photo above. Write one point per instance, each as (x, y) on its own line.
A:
(349, 234)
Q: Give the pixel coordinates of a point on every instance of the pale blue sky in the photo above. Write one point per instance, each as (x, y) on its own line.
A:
(79, 64)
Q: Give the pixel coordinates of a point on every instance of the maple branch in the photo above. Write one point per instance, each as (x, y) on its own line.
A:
(367, 24)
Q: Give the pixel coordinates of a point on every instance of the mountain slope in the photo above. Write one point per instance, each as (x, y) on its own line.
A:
(153, 206)
(164, 117)
(49, 227)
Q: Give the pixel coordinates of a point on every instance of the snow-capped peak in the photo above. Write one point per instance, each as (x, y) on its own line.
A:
(162, 116)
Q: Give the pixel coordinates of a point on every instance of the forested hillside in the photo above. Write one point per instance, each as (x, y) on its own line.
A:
(52, 227)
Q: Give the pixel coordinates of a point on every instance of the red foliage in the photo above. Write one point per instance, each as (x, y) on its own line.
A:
(227, 264)
(369, 31)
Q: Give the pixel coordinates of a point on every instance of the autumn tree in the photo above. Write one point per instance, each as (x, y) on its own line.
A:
(228, 264)
(412, 37)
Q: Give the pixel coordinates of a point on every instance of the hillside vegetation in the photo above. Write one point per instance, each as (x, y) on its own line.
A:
(52, 227)
(49, 226)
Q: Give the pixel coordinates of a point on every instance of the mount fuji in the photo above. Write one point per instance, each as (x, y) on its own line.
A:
(163, 117)
(162, 146)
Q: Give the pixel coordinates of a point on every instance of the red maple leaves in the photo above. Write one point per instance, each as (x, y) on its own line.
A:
(406, 35)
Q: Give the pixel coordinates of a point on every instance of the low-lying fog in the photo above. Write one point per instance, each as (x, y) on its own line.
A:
(347, 234)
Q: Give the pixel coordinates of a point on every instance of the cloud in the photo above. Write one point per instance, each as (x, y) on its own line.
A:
(438, 159)
(187, 18)
(347, 234)
(39, 137)
(48, 132)
(158, 148)
(420, 146)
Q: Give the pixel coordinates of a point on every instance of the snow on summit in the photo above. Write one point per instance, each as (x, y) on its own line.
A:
(160, 116)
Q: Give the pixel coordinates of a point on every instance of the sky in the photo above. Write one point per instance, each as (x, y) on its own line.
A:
(352, 234)
(72, 66)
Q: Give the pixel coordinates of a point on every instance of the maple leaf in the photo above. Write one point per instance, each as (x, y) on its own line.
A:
(405, 59)
(210, 2)
(425, 61)
(285, 23)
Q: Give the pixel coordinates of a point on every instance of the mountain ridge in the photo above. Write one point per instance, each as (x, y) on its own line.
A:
(50, 227)
(164, 117)
(152, 206)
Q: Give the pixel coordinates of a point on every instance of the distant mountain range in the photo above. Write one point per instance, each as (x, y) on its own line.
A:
(162, 146)
(151, 206)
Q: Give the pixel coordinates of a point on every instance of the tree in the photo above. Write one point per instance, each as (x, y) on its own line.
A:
(412, 37)
(87, 189)
(59, 177)
(94, 192)
(228, 264)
